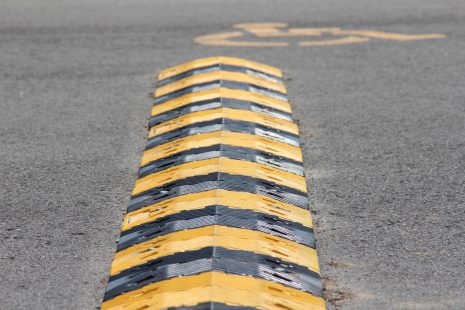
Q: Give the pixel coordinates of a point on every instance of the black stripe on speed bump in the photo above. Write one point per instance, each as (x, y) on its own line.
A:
(226, 125)
(217, 215)
(221, 83)
(215, 259)
(218, 103)
(219, 180)
(222, 150)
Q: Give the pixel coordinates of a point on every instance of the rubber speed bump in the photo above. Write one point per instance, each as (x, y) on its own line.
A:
(218, 218)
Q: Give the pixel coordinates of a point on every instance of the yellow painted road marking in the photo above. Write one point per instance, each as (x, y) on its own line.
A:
(224, 39)
(281, 30)
(346, 40)
(221, 93)
(215, 287)
(208, 115)
(389, 35)
(210, 236)
(272, 30)
(231, 199)
(216, 76)
(210, 61)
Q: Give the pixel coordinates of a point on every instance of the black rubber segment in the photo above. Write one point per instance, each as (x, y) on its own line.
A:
(215, 259)
(219, 67)
(218, 103)
(217, 215)
(226, 125)
(223, 150)
(219, 180)
(221, 83)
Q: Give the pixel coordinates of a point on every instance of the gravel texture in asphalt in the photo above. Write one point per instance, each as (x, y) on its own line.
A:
(382, 127)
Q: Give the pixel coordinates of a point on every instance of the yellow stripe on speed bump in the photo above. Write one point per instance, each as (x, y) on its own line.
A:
(222, 137)
(224, 165)
(239, 200)
(222, 236)
(216, 76)
(205, 62)
(208, 115)
(215, 203)
(221, 93)
(230, 289)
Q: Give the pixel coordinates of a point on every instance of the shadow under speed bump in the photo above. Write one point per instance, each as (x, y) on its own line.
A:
(218, 218)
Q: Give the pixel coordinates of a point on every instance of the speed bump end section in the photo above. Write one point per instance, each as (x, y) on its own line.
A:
(219, 216)
(216, 63)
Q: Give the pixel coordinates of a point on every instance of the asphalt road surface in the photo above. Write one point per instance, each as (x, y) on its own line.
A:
(382, 126)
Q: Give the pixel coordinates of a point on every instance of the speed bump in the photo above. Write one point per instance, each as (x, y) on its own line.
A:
(218, 218)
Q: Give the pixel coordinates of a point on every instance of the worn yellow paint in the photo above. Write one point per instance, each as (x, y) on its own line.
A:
(219, 75)
(302, 32)
(234, 114)
(272, 30)
(224, 137)
(221, 93)
(231, 199)
(281, 30)
(224, 39)
(211, 236)
(220, 164)
(219, 287)
(389, 35)
(345, 40)
(210, 61)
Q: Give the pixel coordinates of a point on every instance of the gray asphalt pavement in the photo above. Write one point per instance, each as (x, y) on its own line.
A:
(382, 126)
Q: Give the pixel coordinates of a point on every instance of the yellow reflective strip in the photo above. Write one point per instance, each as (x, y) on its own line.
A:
(221, 93)
(235, 290)
(219, 75)
(223, 137)
(208, 115)
(210, 236)
(224, 165)
(238, 200)
(205, 62)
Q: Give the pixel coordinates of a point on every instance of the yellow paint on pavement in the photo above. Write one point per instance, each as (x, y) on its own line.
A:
(346, 40)
(337, 36)
(224, 39)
